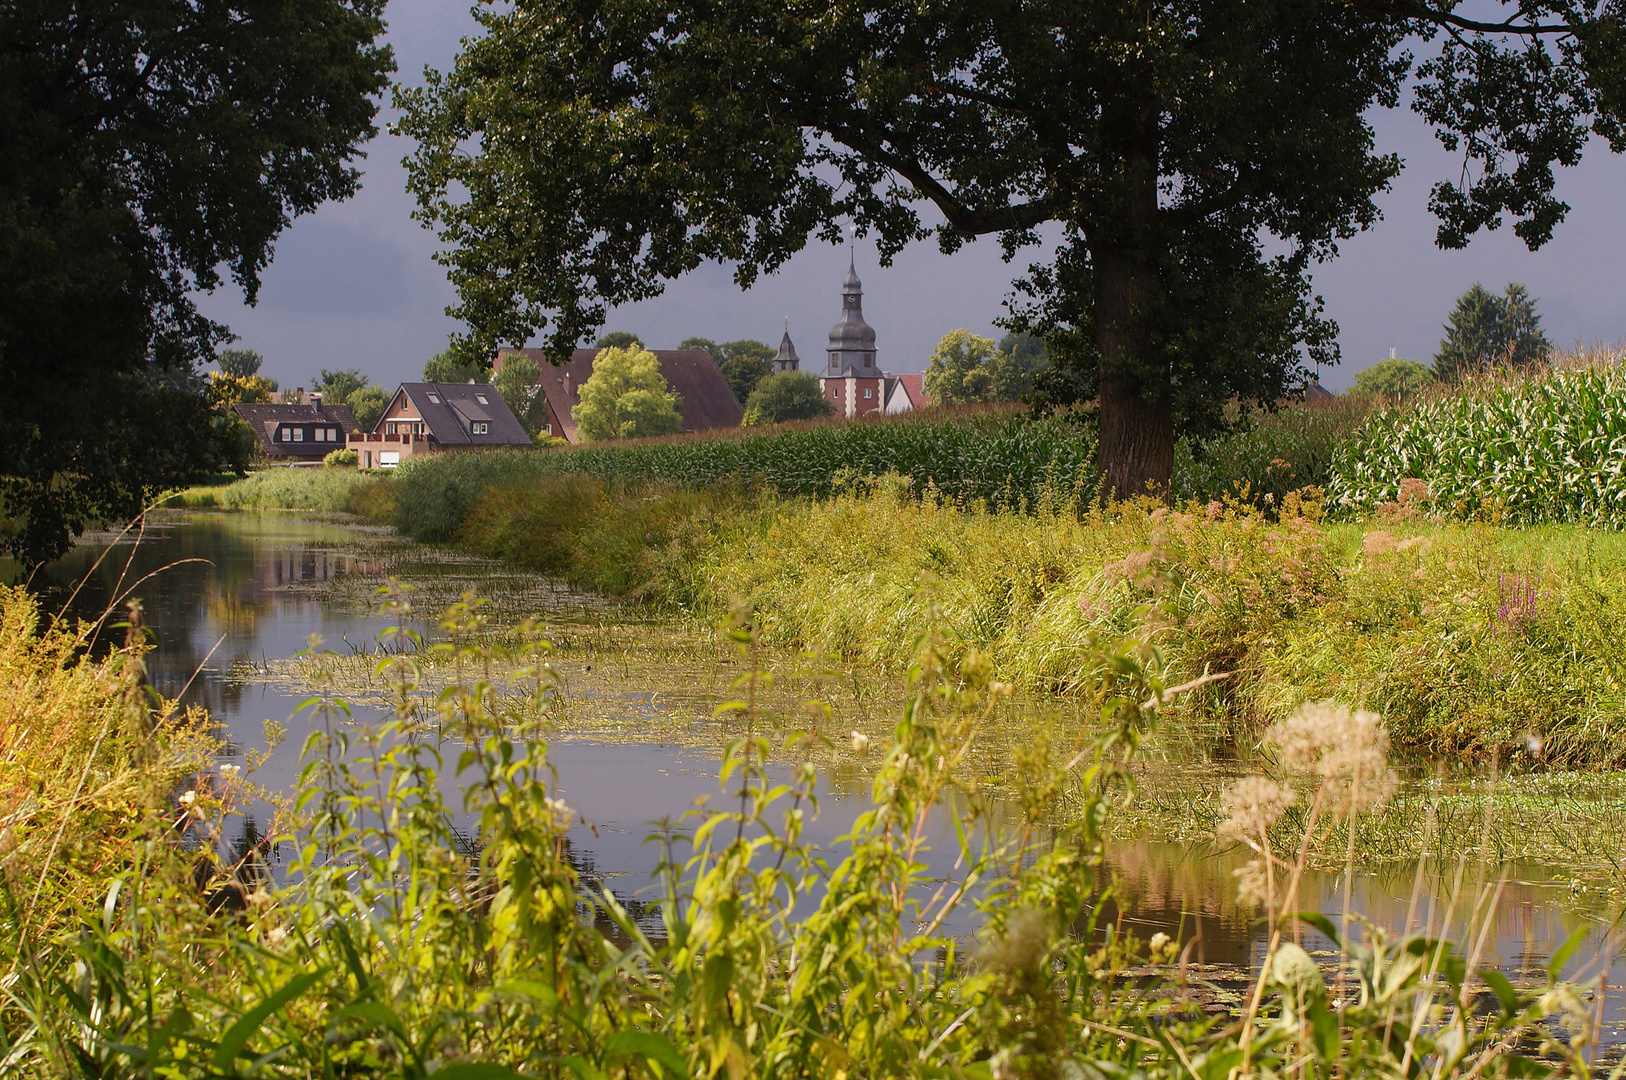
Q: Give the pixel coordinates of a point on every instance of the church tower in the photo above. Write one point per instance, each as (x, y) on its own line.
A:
(851, 379)
(786, 360)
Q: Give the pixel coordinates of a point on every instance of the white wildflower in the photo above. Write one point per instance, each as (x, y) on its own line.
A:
(231, 772)
(1252, 884)
(1252, 806)
(1349, 750)
(188, 798)
(560, 813)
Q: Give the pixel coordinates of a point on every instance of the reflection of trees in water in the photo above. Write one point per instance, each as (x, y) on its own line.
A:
(218, 573)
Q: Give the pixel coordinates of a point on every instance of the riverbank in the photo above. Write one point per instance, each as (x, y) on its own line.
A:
(1474, 641)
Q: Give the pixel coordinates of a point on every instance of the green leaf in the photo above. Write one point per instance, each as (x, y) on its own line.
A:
(648, 1045)
(1503, 989)
(476, 1070)
(1565, 951)
(1317, 920)
(239, 1033)
(584, 1069)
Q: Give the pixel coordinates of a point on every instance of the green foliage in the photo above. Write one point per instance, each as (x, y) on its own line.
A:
(341, 459)
(618, 339)
(242, 363)
(1396, 378)
(785, 396)
(1181, 279)
(1524, 451)
(626, 398)
(1486, 332)
(174, 145)
(773, 957)
(226, 390)
(337, 386)
(367, 405)
(993, 457)
(966, 368)
(447, 367)
(743, 363)
(291, 488)
(517, 382)
(1267, 454)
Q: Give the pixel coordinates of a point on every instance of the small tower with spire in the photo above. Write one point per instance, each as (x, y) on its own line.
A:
(851, 379)
(786, 359)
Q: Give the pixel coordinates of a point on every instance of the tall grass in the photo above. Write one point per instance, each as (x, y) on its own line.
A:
(1520, 450)
(399, 948)
(330, 490)
(1269, 453)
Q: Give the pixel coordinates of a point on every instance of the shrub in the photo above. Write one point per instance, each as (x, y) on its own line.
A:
(341, 459)
(1396, 378)
(786, 396)
(1269, 455)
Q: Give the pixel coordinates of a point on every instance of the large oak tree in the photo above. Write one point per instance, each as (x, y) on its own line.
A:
(1196, 159)
(147, 149)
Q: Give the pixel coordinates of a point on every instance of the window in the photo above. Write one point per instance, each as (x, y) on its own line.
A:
(389, 428)
(282, 435)
(389, 459)
(433, 400)
(299, 434)
(332, 434)
(481, 398)
(479, 427)
(319, 434)
(868, 393)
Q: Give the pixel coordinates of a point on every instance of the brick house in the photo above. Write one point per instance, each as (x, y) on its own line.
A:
(427, 418)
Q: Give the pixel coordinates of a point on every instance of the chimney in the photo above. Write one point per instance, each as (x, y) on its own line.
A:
(316, 402)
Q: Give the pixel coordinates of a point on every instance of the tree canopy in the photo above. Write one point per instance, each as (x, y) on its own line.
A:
(367, 405)
(517, 383)
(626, 398)
(1196, 158)
(966, 367)
(1396, 377)
(743, 363)
(337, 386)
(1485, 332)
(446, 366)
(785, 396)
(152, 148)
(243, 363)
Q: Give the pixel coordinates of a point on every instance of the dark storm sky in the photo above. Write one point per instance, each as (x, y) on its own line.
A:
(354, 285)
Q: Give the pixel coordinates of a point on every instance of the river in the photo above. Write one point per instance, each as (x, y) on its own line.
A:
(230, 598)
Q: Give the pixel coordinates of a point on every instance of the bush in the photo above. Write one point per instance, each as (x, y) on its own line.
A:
(786, 396)
(341, 459)
(1269, 455)
(1396, 378)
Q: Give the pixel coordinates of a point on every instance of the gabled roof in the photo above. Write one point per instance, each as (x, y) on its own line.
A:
(265, 419)
(449, 411)
(914, 385)
(704, 396)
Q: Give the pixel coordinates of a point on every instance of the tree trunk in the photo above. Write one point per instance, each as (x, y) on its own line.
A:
(1136, 422)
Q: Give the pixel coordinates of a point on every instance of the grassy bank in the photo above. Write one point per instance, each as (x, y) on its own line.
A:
(398, 944)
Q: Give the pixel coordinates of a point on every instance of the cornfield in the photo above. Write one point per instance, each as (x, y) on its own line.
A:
(993, 457)
(1542, 450)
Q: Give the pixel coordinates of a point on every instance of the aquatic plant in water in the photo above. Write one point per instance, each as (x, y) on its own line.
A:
(399, 945)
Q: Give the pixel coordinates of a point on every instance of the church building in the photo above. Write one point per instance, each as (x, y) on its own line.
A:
(851, 379)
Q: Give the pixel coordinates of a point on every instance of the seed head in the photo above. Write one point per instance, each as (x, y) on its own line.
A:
(1252, 884)
(1349, 750)
(1252, 806)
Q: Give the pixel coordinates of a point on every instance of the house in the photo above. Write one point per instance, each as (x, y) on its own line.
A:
(299, 433)
(426, 418)
(905, 393)
(704, 396)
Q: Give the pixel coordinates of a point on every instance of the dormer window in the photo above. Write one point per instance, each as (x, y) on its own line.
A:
(480, 427)
(299, 434)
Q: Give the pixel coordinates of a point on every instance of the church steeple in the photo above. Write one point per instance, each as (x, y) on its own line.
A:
(786, 360)
(852, 340)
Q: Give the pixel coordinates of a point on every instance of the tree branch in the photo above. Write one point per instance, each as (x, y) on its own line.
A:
(1450, 19)
(964, 220)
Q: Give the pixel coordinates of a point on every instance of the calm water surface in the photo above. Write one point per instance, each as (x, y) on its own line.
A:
(226, 594)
